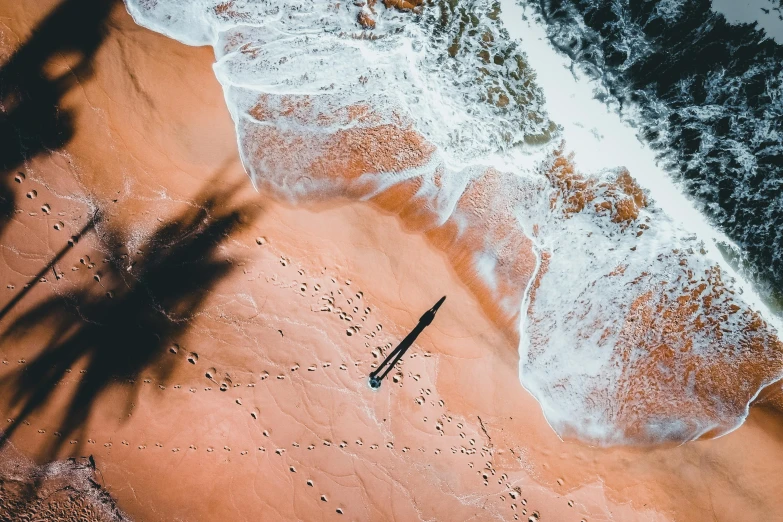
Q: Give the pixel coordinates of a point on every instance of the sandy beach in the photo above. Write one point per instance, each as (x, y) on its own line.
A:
(209, 344)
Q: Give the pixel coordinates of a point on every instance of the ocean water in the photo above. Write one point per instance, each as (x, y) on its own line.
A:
(706, 93)
(634, 326)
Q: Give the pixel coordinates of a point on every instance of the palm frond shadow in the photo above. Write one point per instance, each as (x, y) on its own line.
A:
(32, 118)
(117, 337)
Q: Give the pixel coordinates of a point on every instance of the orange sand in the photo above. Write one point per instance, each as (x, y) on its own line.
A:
(195, 339)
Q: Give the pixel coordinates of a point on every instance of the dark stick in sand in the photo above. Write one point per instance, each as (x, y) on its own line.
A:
(385, 367)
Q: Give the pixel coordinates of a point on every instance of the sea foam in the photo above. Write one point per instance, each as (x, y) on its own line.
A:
(631, 328)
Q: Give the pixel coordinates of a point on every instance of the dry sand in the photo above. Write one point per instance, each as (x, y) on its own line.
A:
(210, 346)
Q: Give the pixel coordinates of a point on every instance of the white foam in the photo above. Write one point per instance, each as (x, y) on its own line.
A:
(601, 139)
(578, 356)
(568, 353)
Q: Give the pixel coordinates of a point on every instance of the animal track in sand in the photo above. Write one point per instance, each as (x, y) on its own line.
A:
(428, 400)
(193, 358)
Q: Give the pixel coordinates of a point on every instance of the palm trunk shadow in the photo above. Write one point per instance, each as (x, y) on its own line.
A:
(115, 337)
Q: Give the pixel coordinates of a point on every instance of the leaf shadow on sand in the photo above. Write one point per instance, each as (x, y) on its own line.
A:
(32, 118)
(115, 336)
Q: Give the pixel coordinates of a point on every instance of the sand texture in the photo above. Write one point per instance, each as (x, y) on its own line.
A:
(208, 344)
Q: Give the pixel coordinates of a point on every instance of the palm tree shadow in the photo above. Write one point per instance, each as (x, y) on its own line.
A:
(32, 120)
(118, 335)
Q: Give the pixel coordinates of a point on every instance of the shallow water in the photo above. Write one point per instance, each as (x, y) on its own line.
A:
(705, 94)
(633, 328)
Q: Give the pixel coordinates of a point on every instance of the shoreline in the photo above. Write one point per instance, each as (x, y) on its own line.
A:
(184, 203)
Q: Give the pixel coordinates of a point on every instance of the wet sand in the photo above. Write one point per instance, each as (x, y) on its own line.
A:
(210, 346)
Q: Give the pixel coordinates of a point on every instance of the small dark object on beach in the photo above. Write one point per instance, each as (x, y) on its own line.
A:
(377, 376)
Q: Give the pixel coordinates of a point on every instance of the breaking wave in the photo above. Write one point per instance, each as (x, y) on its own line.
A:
(630, 327)
(707, 95)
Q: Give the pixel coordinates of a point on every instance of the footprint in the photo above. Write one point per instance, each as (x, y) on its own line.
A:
(32, 194)
(193, 358)
(174, 348)
(19, 177)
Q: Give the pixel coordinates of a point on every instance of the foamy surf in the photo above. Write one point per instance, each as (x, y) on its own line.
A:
(630, 329)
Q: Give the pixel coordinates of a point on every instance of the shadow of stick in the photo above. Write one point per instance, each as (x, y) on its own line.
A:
(118, 335)
(37, 277)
